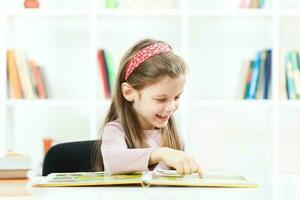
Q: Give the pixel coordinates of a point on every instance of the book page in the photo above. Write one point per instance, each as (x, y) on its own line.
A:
(88, 179)
(210, 179)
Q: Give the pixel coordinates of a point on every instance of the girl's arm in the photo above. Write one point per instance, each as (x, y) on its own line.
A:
(117, 158)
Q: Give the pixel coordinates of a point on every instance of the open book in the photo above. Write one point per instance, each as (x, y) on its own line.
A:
(156, 178)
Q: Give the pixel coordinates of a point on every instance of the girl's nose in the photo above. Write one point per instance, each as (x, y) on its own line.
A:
(171, 106)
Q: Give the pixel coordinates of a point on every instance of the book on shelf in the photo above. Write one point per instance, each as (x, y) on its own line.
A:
(39, 81)
(267, 74)
(107, 71)
(244, 79)
(149, 178)
(254, 4)
(14, 165)
(261, 76)
(24, 74)
(25, 78)
(111, 3)
(13, 76)
(258, 77)
(292, 75)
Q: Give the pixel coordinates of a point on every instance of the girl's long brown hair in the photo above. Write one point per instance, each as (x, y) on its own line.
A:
(149, 72)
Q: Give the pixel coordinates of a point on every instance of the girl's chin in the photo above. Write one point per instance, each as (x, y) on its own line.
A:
(159, 124)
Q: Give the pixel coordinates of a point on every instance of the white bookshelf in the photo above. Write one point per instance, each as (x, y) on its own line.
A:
(221, 130)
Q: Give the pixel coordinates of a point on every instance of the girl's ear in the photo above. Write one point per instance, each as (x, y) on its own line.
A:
(128, 91)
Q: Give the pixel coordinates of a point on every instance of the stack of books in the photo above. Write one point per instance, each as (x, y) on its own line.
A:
(13, 165)
(25, 78)
(258, 76)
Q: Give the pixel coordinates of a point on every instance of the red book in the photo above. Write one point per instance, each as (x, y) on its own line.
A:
(39, 83)
(103, 74)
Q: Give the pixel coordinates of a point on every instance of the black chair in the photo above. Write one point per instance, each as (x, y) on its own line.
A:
(70, 157)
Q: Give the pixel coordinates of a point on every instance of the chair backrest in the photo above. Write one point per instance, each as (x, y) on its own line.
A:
(69, 157)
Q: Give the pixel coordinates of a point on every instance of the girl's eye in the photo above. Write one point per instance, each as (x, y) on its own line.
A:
(164, 99)
(161, 100)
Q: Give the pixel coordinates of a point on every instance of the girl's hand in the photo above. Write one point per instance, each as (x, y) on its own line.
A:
(179, 160)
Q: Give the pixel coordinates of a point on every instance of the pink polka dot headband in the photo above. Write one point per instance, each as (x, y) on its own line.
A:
(145, 54)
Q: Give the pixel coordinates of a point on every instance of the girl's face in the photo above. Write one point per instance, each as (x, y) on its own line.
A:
(156, 103)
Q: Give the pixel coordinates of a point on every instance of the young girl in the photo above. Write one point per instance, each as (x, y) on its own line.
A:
(139, 131)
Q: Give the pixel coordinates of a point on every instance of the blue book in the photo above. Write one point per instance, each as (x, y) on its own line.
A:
(255, 75)
(290, 86)
(262, 3)
(267, 75)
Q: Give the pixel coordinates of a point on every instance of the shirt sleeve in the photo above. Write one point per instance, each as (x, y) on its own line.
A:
(117, 157)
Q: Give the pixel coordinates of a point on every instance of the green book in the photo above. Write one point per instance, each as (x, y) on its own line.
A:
(294, 57)
(248, 79)
(144, 179)
(111, 3)
(110, 69)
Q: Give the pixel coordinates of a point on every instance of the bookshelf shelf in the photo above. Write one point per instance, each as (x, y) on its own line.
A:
(153, 13)
(213, 36)
(144, 13)
(47, 103)
(46, 12)
(231, 103)
(231, 13)
(289, 12)
(87, 13)
(168, 12)
(289, 103)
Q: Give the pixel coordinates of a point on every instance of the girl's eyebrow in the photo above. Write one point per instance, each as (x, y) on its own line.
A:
(165, 95)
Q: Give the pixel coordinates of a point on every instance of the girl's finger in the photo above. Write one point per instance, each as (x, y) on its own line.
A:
(194, 166)
(200, 172)
(179, 169)
(186, 167)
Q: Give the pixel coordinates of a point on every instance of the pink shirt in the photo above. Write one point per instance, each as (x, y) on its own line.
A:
(118, 158)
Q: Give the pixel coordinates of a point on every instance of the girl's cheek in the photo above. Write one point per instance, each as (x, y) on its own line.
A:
(176, 105)
(160, 107)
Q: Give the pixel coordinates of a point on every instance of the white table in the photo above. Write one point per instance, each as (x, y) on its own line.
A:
(271, 187)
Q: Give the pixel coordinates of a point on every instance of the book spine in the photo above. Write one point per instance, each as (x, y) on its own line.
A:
(38, 79)
(290, 87)
(111, 70)
(245, 3)
(248, 79)
(24, 75)
(267, 75)
(261, 82)
(254, 78)
(254, 4)
(32, 78)
(13, 76)
(107, 72)
(296, 72)
(103, 73)
(262, 3)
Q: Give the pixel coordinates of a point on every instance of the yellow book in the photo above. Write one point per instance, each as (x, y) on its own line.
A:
(14, 81)
(24, 74)
(254, 4)
(144, 179)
